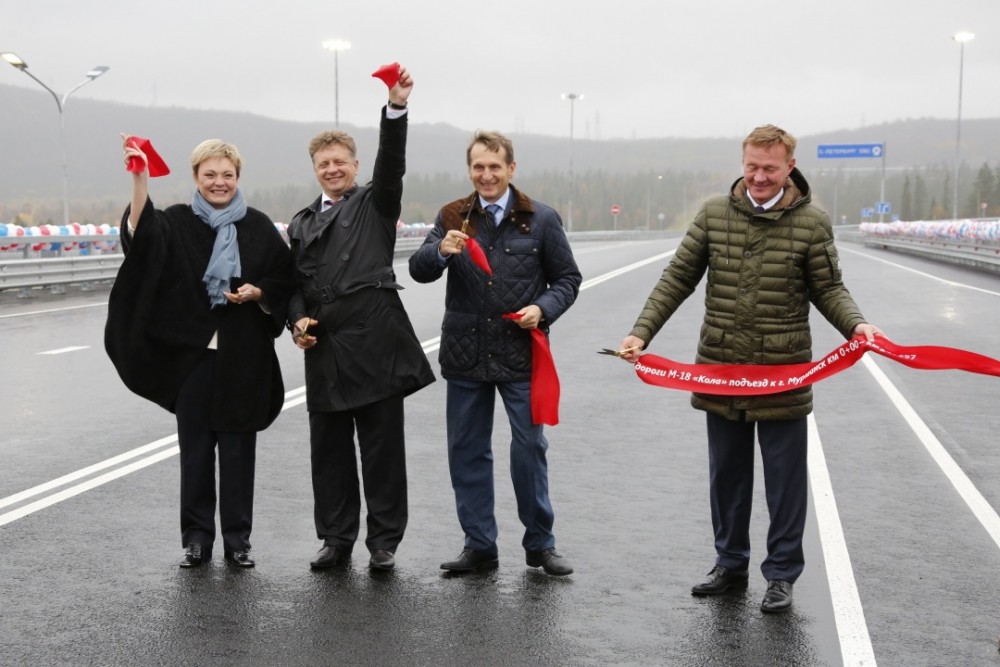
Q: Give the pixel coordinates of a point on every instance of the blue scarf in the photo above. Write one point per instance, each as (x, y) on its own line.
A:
(225, 260)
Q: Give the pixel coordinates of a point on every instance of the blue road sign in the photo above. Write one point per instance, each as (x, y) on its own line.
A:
(883, 207)
(867, 212)
(849, 150)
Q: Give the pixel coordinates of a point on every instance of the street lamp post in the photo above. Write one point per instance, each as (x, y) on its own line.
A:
(961, 38)
(18, 62)
(336, 45)
(572, 97)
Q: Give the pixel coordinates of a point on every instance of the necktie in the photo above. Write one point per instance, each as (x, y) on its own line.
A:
(495, 212)
(758, 209)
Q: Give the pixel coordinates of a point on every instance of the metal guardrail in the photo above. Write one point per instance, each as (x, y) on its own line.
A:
(981, 255)
(72, 268)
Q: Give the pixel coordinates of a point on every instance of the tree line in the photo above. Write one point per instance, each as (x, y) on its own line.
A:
(648, 199)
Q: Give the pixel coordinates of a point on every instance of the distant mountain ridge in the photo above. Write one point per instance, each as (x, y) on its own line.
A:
(275, 151)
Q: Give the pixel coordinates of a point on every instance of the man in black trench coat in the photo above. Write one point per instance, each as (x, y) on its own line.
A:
(362, 356)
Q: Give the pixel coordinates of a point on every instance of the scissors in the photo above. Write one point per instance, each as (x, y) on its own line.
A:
(617, 353)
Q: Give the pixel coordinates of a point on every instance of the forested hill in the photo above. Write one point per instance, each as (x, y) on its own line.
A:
(275, 151)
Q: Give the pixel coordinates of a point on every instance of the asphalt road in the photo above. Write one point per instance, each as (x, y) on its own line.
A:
(902, 545)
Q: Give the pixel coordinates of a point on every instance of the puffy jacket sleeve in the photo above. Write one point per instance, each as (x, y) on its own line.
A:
(825, 279)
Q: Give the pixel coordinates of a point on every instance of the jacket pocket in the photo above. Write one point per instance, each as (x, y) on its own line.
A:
(524, 257)
(787, 347)
(459, 341)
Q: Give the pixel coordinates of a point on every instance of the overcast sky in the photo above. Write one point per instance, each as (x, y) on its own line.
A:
(646, 68)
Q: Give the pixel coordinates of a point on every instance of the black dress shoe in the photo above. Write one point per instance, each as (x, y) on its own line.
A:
(329, 556)
(240, 558)
(778, 597)
(550, 561)
(720, 580)
(382, 559)
(196, 554)
(471, 560)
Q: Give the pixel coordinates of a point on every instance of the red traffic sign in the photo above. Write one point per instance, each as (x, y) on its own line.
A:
(615, 210)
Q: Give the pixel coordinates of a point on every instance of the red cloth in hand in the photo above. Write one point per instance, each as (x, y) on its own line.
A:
(478, 256)
(388, 73)
(157, 167)
(544, 380)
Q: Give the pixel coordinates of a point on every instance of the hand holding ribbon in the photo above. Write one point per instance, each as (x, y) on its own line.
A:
(544, 380)
(757, 379)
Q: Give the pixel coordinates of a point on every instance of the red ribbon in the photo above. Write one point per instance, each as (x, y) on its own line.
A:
(544, 380)
(477, 255)
(754, 380)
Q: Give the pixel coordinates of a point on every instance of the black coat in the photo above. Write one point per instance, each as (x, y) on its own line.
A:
(160, 321)
(367, 349)
(532, 263)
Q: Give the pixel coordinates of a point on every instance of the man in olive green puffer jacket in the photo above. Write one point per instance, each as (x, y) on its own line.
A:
(768, 253)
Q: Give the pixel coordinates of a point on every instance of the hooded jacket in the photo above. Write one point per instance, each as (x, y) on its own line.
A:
(764, 270)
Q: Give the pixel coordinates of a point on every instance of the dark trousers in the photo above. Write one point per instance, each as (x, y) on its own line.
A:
(783, 448)
(381, 443)
(470, 461)
(237, 457)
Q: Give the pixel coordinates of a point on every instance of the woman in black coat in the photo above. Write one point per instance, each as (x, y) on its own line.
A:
(192, 318)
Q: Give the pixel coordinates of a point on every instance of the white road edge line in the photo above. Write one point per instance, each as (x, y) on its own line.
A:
(975, 501)
(855, 643)
(428, 346)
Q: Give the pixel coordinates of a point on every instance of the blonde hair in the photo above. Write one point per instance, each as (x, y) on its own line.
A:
(212, 148)
(771, 135)
(332, 138)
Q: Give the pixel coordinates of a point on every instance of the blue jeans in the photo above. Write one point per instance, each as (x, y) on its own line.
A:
(470, 461)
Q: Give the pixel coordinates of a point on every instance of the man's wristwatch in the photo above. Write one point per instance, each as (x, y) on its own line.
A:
(393, 105)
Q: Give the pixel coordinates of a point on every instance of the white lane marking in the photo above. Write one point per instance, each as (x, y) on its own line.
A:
(975, 501)
(108, 463)
(64, 350)
(428, 346)
(54, 310)
(625, 269)
(918, 272)
(855, 643)
(65, 494)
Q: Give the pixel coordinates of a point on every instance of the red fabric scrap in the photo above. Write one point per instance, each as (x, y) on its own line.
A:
(544, 380)
(157, 167)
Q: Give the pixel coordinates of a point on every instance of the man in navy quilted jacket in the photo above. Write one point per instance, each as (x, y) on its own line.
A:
(525, 268)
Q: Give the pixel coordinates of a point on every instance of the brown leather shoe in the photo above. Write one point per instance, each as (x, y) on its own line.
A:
(720, 580)
(778, 598)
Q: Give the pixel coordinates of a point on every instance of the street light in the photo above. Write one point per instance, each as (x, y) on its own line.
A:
(961, 38)
(17, 62)
(572, 97)
(336, 45)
